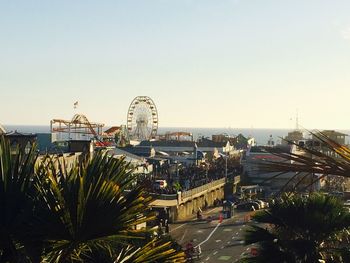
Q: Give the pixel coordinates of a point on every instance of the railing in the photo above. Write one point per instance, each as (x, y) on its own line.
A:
(202, 188)
(164, 196)
(189, 193)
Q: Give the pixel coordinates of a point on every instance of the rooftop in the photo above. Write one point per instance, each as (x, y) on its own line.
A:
(175, 143)
(19, 134)
(333, 133)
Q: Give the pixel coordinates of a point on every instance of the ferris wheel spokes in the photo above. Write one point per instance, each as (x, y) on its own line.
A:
(142, 119)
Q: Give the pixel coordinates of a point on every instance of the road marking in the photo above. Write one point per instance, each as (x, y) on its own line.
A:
(222, 247)
(215, 252)
(212, 232)
(228, 242)
(240, 229)
(183, 236)
(207, 258)
(207, 212)
(224, 258)
(199, 231)
(177, 227)
(236, 233)
(227, 229)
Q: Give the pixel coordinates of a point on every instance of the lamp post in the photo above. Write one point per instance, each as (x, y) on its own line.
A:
(226, 157)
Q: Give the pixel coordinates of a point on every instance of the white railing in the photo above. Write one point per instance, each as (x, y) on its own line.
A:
(202, 188)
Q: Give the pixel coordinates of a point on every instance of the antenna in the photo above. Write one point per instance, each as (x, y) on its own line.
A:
(297, 121)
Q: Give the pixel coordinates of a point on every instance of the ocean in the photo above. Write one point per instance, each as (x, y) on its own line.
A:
(261, 135)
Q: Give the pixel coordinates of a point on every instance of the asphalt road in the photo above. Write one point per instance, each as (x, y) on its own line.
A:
(219, 242)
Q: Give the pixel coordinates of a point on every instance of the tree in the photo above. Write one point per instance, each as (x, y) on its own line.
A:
(335, 161)
(305, 230)
(89, 212)
(16, 204)
(296, 229)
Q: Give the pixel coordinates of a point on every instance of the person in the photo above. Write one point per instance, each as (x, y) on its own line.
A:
(166, 226)
(189, 248)
(189, 245)
(199, 214)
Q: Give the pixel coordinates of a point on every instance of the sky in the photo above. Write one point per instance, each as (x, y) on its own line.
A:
(205, 63)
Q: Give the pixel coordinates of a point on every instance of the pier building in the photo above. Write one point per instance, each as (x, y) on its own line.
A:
(20, 141)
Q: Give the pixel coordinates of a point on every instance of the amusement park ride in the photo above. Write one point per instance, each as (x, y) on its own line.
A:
(142, 124)
(142, 119)
(79, 128)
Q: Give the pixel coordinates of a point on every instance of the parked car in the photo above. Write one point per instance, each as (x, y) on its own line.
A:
(347, 203)
(248, 206)
(160, 184)
(262, 204)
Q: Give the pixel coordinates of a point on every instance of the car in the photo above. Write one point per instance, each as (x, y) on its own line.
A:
(337, 194)
(347, 203)
(248, 206)
(160, 184)
(262, 204)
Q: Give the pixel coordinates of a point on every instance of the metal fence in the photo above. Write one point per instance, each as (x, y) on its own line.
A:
(164, 196)
(202, 188)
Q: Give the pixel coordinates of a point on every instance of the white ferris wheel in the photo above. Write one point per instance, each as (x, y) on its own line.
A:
(142, 119)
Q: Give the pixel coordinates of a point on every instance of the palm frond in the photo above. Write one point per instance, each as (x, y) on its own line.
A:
(312, 161)
(16, 189)
(299, 228)
(88, 205)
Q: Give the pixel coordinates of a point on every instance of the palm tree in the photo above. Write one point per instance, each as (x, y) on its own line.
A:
(16, 184)
(92, 207)
(296, 229)
(311, 161)
(89, 212)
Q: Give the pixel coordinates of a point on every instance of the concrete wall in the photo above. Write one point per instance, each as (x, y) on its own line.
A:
(191, 206)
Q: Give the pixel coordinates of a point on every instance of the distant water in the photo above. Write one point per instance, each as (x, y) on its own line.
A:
(28, 128)
(261, 135)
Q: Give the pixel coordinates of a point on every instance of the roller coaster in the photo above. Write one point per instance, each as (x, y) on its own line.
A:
(78, 128)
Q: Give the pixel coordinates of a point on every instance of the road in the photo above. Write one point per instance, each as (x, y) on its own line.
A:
(219, 242)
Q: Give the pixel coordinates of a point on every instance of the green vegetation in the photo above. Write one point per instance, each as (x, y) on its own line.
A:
(297, 229)
(88, 212)
(312, 229)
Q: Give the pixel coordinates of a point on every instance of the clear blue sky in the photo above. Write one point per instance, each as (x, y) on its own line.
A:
(205, 63)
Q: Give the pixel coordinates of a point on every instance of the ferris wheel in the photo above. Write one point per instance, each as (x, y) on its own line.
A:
(142, 119)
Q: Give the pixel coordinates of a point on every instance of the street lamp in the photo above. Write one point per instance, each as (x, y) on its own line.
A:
(226, 157)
